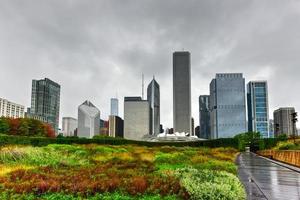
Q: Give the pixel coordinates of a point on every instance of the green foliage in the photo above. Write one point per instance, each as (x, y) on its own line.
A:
(25, 127)
(4, 125)
(104, 196)
(288, 145)
(42, 141)
(209, 184)
(52, 155)
(91, 171)
(282, 137)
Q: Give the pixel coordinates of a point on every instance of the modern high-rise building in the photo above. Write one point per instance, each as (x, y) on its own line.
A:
(116, 126)
(271, 128)
(283, 121)
(137, 118)
(258, 108)
(45, 101)
(10, 109)
(88, 120)
(227, 105)
(69, 125)
(114, 107)
(153, 97)
(193, 127)
(182, 92)
(204, 117)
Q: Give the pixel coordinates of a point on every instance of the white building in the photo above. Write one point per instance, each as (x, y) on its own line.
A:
(88, 120)
(10, 109)
(136, 118)
(69, 125)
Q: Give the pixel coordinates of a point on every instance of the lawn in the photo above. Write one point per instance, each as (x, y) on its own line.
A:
(128, 172)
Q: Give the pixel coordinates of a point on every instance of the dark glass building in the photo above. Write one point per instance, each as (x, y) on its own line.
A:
(258, 108)
(204, 117)
(182, 92)
(153, 96)
(45, 101)
(227, 105)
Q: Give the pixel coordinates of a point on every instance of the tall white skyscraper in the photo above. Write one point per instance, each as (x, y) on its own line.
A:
(10, 109)
(227, 105)
(153, 97)
(182, 92)
(114, 107)
(88, 120)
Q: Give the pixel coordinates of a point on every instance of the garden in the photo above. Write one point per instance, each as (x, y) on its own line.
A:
(93, 171)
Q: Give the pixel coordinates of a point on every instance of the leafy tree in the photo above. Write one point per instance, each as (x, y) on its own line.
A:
(4, 125)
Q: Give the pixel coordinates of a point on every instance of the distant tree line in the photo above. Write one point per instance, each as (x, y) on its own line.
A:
(25, 127)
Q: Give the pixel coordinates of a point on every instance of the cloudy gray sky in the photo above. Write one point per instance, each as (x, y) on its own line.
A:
(96, 49)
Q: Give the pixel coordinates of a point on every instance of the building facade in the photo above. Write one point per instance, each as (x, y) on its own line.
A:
(182, 92)
(10, 109)
(88, 120)
(69, 125)
(45, 101)
(258, 108)
(204, 117)
(153, 97)
(227, 105)
(283, 121)
(137, 118)
(114, 107)
(116, 126)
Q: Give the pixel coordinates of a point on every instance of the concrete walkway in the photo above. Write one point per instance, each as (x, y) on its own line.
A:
(264, 179)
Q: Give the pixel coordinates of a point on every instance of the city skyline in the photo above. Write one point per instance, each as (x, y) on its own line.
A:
(257, 45)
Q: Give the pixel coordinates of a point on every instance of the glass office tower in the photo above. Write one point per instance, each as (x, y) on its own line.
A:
(114, 107)
(258, 108)
(227, 105)
(45, 101)
(204, 116)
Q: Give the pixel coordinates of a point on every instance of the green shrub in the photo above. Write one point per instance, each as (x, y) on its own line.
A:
(211, 185)
(42, 156)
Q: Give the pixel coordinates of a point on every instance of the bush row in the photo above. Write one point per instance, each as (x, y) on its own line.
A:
(256, 144)
(42, 141)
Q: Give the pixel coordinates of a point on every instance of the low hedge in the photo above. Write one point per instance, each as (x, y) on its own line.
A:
(42, 141)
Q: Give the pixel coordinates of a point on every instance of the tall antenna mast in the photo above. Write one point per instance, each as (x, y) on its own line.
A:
(142, 86)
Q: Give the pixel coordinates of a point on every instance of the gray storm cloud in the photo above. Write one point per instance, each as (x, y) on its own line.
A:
(99, 49)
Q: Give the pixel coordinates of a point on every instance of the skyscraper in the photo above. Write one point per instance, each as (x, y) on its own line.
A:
(137, 118)
(227, 105)
(258, 108)
(204, 117)
(182, 92)
(153, 97)
(45, 101)
(283, 121)
(88, 120)
(69, 125)
(114, 107)
(116, 126)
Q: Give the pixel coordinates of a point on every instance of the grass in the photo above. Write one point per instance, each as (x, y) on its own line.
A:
(60, 171)
(288, 145)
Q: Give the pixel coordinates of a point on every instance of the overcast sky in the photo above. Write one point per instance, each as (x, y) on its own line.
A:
(98, 49)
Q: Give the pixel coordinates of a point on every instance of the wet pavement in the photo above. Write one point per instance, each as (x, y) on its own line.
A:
(264, 179)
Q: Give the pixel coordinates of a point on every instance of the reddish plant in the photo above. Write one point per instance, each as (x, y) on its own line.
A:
(137, 185)
(14, 125)
(49, 130)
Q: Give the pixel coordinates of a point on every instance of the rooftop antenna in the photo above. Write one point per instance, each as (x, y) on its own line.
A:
(142, 86)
